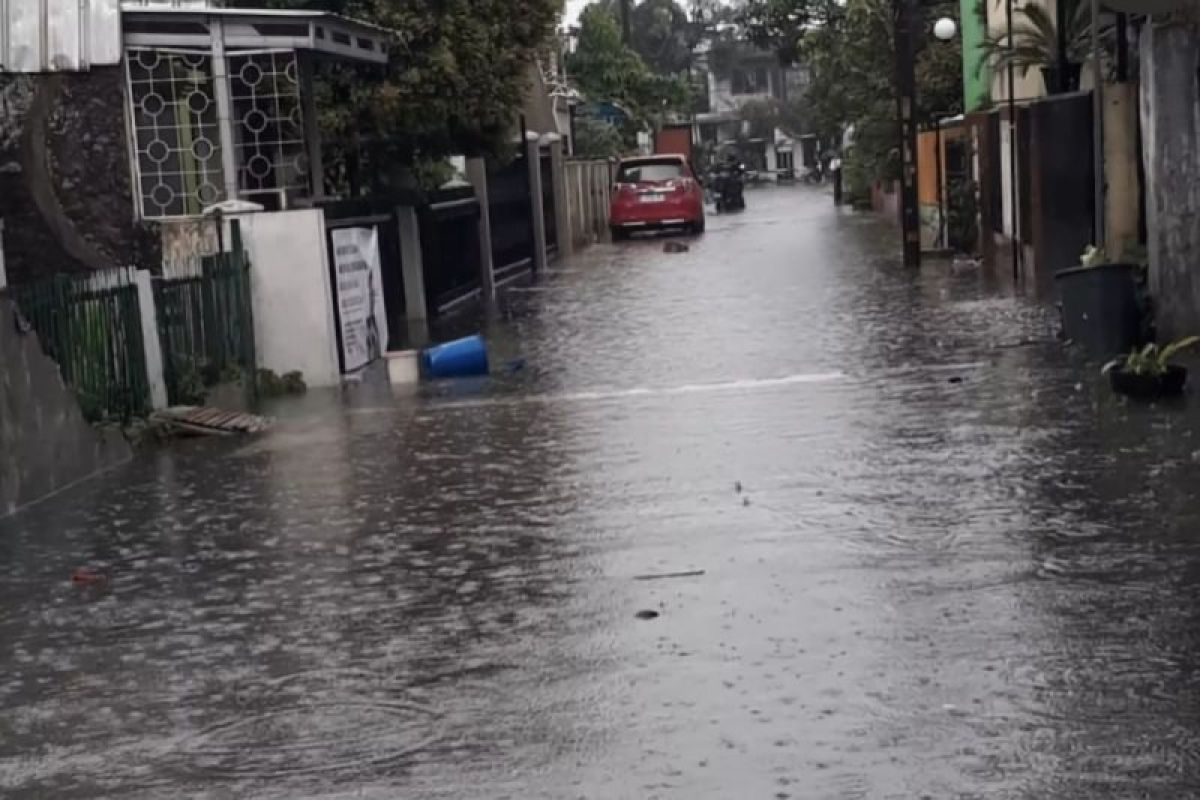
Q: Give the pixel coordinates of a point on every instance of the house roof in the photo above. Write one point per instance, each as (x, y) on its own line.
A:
(324, 33)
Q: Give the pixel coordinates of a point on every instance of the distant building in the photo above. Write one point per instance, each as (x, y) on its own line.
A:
(730, 74)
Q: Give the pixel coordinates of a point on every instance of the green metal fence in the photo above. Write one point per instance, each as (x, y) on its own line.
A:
(91, 325)
(206, 328)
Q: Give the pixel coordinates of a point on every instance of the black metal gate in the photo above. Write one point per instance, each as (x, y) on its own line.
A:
(509, 206)
(1063, 201)
(995, 166)
(450, 248)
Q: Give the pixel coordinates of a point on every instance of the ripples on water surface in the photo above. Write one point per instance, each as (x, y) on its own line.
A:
(926, 586)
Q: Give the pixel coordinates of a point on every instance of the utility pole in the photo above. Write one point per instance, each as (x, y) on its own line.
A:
(1098, 123)
(906, 103)
(626, 36)
(1014, 196)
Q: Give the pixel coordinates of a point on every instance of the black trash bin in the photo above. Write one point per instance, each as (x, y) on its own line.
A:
(1100, 308)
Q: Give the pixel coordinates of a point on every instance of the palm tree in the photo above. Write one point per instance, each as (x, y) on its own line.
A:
(1035, 38)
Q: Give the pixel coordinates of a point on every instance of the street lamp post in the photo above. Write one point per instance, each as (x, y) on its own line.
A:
(945, 29)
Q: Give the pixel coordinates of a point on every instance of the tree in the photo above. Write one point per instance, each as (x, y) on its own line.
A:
(454, 83)
(595, 138)
(849, 50)
(782, 25)
(660, 32)
(605, 69)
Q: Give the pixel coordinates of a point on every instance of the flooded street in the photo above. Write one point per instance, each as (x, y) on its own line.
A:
(899, 544)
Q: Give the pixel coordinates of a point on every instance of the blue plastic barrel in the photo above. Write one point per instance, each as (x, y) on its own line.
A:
(458, 359)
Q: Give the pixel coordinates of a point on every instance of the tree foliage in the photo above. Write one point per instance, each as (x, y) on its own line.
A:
(849, 50)
(597, 139)
(660, 32)
(605, 69)
(1035, 38)
(454, 83)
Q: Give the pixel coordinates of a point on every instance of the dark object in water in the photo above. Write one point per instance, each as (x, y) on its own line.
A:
(691, 573)
(956, 379)
(647, 613)
(675, 247)
(1101, 310)
(88, 576)
(1149, 387)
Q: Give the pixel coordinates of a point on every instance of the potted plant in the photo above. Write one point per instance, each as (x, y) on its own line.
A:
(1148, 374)
(1035, 44)
(1102, 304)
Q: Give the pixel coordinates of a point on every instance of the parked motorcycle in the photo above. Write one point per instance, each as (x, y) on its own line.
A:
(728, 185)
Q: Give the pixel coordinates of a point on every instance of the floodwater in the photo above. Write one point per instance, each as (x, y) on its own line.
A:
(899, 542)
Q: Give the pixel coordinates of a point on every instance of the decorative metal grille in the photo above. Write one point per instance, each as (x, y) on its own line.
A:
(265, 94)
(176, 131)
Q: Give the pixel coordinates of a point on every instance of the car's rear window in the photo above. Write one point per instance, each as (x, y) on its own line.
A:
(648, 171)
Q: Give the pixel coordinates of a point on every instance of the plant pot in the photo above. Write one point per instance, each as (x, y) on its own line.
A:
(1100, 308)
(1149, 387)
(1055, 84)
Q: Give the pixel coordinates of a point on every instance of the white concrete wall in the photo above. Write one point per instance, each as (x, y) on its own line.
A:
(289, 283)
(1006, 177)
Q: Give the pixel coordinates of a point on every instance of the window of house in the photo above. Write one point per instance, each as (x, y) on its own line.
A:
(176, 132)
(751, 80)
(177, 129)
(269, 131)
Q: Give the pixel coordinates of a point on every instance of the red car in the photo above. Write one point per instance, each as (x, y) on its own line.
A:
(654, 192)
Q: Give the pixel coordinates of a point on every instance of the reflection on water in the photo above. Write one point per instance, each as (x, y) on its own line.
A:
(912, 549)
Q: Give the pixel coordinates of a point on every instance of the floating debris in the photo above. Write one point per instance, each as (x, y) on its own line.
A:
(694, 573)
(88, 576)
(647, 613)
(201, 421)
(675, 247)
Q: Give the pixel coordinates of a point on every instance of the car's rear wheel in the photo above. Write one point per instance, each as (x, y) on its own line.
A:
(697, 227)
(619, 234)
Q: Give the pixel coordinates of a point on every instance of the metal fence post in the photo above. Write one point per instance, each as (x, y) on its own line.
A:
(243, 302)
(3, 272)
(533, 155)
(148, 311)
(562, 223)
(477, 176)
(412, 265)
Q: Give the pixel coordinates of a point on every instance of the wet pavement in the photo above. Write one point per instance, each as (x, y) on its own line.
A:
(900, 544)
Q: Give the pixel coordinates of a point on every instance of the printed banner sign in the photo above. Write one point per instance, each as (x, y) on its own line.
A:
(360, 303)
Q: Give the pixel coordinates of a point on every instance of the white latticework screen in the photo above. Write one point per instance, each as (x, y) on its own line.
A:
(269, 120)
(176, 132)
(177, 129)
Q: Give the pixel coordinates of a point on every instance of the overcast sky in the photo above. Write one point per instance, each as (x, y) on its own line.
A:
(573, 9)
